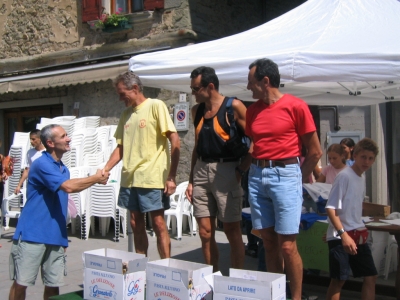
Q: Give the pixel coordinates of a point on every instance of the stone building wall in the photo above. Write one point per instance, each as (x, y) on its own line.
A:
(33, 27)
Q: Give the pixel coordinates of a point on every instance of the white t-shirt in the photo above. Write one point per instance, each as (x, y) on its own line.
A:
(346, 197)
(31, 155)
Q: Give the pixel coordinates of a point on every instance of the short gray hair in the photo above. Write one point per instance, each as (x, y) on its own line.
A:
(129, 79)
(47, 134)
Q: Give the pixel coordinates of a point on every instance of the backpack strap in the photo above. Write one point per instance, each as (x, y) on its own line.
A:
(199, 114)
(231, 117)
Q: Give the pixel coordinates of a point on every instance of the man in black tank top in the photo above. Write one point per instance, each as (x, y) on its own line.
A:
(214, 183)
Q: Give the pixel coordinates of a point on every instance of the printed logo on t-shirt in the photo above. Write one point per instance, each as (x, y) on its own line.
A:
(142, 123)
(126, 126)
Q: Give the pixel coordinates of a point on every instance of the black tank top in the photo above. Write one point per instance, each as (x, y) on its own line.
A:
(212, 133)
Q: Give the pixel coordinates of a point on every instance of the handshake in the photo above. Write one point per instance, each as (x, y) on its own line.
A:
(102, 176)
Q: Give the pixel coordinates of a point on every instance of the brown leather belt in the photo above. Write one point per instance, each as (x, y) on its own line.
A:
(262, 163)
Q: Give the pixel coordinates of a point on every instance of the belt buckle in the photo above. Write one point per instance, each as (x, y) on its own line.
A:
(279, 164)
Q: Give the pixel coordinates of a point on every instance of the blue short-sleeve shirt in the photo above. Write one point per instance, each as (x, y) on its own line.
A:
(43, 219)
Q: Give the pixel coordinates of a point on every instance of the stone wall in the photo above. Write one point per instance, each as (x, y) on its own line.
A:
(32, 27)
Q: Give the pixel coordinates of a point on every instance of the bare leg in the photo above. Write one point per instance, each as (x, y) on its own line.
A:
(208, 243)
(273, 257)
(139, 232)
(161, 231)
(50, 291)
(17, 292)
(334, 289)
(234, 235)
(368, 288)
(293, 263)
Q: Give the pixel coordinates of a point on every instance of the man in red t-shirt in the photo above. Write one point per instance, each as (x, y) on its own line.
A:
(278, 124)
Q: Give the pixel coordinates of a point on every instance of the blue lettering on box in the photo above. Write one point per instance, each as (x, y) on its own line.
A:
(133, 288)
(249, 290)
(95, 292)
(231, 288)
(159, 275)
(93, 263)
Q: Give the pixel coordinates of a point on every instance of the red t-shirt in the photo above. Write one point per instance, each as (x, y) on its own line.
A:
(276, 129)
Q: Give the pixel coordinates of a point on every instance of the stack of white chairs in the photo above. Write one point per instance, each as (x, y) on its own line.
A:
(22, 139)
(9, 205)
(65, 118)
(93, 159)
(92, 121)
(103, 135)
(87, 122)
(79, 199)
(102, 202)
(84, 141)
(180, 206)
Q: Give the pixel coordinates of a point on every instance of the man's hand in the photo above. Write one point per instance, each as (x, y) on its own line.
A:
(170, 187)
(348, 244)
(102, 176)
(189, 192)
(17, 190)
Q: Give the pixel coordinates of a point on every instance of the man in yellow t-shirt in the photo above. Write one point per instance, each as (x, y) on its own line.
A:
(148, 173)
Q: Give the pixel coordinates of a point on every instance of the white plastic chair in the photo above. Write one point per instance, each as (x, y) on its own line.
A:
(180, 206)
(12, 201)
(391, 255)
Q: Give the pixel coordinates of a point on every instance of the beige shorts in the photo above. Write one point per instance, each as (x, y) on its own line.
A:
(27, 258)
(216, 192)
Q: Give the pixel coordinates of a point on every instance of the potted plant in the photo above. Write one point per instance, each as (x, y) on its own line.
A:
(112, 22)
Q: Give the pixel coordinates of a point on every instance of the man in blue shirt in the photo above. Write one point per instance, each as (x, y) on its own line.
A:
(40, 238)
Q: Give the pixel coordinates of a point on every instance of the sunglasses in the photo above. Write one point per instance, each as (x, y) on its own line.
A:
(195, 89)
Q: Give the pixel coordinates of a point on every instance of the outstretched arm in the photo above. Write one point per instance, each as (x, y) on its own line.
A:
(79, 184)
(115, 157)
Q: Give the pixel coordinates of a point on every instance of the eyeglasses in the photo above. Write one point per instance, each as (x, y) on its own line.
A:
(195, 89)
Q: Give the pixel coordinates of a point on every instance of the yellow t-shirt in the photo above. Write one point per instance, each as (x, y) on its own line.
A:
(142, 133)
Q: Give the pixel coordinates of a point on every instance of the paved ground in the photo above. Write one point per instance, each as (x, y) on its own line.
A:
(186, 249)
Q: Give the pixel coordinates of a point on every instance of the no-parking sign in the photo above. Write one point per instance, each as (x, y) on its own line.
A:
(181, 116)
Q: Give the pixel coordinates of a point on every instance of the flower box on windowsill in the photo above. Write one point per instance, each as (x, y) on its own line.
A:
(121, 26)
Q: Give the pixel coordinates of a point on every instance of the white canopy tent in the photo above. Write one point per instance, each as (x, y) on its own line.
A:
(325, 50)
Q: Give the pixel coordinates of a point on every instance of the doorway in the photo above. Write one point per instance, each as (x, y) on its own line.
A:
(24, 119)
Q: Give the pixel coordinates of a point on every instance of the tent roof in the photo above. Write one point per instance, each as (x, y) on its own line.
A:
(325, 49)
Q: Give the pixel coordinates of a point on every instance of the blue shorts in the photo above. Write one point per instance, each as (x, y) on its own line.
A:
(276, 196)
(142, 199)
(340, 262)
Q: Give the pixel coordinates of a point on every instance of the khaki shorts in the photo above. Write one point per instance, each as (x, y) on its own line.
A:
(216, 192)
(26, 258)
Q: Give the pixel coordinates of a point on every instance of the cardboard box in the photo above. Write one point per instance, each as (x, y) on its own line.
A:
(248, 285)
(177, 279)
(375, 210)
(104, 277)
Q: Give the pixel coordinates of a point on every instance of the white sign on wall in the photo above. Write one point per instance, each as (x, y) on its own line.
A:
(181, 116)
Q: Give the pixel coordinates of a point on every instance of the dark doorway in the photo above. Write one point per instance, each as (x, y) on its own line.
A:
(24, 119)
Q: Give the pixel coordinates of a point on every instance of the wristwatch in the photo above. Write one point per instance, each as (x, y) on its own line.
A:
(240, 171)
(340, 232)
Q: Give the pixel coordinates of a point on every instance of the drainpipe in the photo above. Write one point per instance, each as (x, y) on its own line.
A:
(336, 115)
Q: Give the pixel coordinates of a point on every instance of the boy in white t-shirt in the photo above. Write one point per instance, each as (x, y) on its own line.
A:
(346, 233)
(31, 155)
